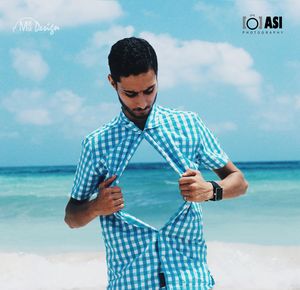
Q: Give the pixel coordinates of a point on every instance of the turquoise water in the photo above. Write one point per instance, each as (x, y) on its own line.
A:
(32, 202)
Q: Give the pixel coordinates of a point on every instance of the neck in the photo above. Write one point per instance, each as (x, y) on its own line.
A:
(140, 123)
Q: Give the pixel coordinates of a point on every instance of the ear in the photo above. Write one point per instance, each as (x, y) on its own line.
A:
(112, 82)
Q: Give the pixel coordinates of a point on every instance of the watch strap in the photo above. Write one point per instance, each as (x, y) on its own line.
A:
(217, 191)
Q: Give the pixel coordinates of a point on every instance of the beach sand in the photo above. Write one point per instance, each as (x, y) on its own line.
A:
(234, 267)
(254, 267)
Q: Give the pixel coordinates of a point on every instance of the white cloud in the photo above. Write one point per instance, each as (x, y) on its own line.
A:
(66, 102)
(208, 9)
(63, 110)
(9, 134)
(257, 7)
(34, 116)
(193, 62)
(297, 102)
(289, 9)
(109, 37)
(223, 127)
(100, 43)
(27, 106)
(293, 64)
(215, 12)
(279, 113)
(29, 64)
(58, 12)
(201, 63)
(275, 121)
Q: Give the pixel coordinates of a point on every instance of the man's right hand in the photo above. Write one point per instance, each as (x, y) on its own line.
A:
(109, 199)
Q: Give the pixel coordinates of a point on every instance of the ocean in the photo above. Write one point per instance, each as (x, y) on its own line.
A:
(258, 231)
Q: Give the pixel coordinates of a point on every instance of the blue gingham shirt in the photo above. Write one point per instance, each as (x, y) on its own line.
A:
(135, 251)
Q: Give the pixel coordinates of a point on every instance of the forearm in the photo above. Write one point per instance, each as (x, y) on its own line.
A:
(233, 185)
(78, 215)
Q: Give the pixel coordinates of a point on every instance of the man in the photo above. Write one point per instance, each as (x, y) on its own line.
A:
(139, 256)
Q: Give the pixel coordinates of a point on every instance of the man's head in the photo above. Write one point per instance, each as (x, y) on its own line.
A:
(131, 56)
(133, 73)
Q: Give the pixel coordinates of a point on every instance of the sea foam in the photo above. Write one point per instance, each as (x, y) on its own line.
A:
(233, 266)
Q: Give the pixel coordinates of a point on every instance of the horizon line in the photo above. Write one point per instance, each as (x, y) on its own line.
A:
(158, 162)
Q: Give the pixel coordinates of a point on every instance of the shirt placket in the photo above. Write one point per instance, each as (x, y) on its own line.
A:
(179, 165)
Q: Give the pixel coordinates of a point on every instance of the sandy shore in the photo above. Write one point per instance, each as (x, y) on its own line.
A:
(254, 267)
(234, 267)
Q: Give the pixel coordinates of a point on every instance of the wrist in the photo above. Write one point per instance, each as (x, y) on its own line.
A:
(92, 211)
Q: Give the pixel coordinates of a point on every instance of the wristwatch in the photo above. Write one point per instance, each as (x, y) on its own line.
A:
(217, 190)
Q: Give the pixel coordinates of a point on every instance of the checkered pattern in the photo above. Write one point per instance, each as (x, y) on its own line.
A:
(135, 251)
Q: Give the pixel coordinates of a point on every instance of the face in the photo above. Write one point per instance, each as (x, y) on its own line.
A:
(137, 94)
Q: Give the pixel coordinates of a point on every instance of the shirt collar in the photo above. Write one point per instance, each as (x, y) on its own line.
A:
(152, 120)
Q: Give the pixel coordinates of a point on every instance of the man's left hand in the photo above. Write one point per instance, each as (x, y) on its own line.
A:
(193, 187)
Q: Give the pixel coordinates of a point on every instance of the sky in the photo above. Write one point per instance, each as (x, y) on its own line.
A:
(53, 80)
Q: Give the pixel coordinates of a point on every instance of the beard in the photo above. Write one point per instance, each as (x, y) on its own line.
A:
(131, 112)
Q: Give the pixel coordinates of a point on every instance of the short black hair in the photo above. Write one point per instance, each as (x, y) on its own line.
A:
(131, 56)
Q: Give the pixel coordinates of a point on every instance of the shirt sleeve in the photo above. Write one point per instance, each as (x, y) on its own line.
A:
(87, 176)
(210, 154)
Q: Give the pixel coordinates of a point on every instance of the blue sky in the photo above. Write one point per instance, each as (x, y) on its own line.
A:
(54, 89)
